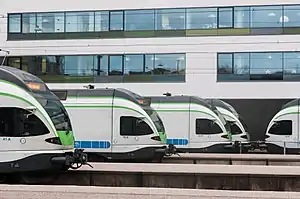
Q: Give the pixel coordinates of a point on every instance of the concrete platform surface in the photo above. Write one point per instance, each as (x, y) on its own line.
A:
(224, 156)
(70, 192)
(193, 169)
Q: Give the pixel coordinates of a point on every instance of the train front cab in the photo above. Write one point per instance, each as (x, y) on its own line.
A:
(190, 125)
(111, 125)
(29, 140)
(282, 135)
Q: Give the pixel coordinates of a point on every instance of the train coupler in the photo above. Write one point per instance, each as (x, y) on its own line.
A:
(78, 159)
(171, 150)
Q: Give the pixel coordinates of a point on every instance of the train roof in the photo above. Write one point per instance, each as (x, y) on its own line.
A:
(183, 99)
(222, 104)
(18, 77)
(98, 92)
(294, 102)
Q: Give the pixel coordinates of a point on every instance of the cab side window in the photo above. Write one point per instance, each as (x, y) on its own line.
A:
(283, 127)
(132, 126)
(234, 129)
(14, 123)
(206, 126)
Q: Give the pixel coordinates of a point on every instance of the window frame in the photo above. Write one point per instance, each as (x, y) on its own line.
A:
(134, 128)
(291, 128)
(210, 128)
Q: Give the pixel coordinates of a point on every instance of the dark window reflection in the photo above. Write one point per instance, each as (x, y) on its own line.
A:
(133, 64)
(241, 17)
(139, 20)
(291, 16)
(116, 20)
(99, 68)
(201, 18)
(170, 19)
(225, 18)
(225, 63)
(266, 16)
(116, 65)
(266, 66)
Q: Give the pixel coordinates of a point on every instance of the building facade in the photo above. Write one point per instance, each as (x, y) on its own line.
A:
(217, 49)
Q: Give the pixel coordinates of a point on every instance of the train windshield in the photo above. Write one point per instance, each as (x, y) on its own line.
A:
(155, 118)
(52, 105)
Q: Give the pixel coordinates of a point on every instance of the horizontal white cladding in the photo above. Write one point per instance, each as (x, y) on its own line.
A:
(156, 45)
(67, 5)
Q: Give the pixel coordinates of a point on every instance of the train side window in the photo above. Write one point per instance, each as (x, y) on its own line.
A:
(13, 123)
(206, 126)
(283, 127)
(132, 126)
(234, 129)
(62, 95)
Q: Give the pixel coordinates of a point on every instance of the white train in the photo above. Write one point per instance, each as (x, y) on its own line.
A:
(115, 124)
(35, 129)
(283, 131)
(193, 124)
(238, 128)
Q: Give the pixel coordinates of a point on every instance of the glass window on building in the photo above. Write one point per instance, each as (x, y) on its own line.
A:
(29, 23)
(169, 64)
(51, 22)
(79, 21)
(115, 65)
(133, 64)
(225, 19)
(30, 65)
(139, 20)
(14, 23)
(14, 62)
(101, 21)
(242, 17)
(149, 63)
(225, 63)
(291, 16)
(241, 63)
(170, 19)
(201, 18)
(266, 66)
(103, 61)
(291, 65)
(80, 65)
(266, 16)
(116, 20)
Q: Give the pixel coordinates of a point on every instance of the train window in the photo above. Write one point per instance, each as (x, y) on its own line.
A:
(234, 129)
(206, 126)
(14, 123)
(62, 95)
(283, 127)
(132, 126)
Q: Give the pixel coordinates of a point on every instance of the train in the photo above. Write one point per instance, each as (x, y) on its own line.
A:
(192, 124)
(238, 127)
(283, 131)
(36, 133)
(227, 130)
(115, 125)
